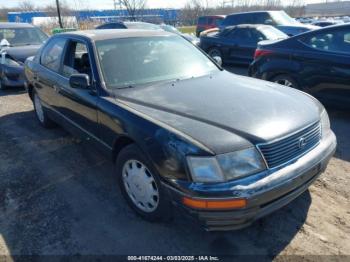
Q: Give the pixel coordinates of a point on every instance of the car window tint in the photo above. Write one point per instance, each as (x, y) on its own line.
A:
(77, 60)
(210, 20)
(52, 53)
(335, 41)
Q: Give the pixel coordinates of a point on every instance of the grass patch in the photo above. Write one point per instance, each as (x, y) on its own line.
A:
(187, 29)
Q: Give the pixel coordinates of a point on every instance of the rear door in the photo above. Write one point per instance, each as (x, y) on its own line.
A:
(326, 65)
(243, 42)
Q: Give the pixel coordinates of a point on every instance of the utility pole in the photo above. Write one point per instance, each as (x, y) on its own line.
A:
(59, 13)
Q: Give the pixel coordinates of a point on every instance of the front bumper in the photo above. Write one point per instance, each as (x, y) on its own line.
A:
(13, 76)
(265, 192)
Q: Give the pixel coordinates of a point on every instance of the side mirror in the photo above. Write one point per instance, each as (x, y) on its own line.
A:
(217, 60)
(81, 81)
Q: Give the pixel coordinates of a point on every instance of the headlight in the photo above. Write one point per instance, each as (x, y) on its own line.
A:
(241, 163)
(325, 123)
(205, 169)
(226, 166)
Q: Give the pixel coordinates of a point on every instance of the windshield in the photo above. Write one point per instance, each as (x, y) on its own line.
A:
(272, 33)
(282, 18)
(23, 36)
(137, 61)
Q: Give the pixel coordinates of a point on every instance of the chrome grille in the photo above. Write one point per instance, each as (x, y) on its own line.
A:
(292, 147)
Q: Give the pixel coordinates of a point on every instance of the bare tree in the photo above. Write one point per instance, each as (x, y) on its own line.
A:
(193, 9)
(27, 6)
(134, 7)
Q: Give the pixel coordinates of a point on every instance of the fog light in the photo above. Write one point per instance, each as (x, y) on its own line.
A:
(214, 204)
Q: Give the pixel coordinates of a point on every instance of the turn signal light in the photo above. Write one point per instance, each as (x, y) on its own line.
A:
(214, 204)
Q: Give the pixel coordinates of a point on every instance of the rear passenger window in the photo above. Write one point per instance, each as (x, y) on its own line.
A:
(52, 53)
(336, 41)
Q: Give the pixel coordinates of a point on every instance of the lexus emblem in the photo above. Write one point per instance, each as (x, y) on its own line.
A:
(302, 142)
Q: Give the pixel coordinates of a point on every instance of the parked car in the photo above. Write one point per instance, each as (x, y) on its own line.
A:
(237, 44)
(317, 62)
(147, 26)
(190, 37)
(224, 148)
(324, 23)
(129, 25)
(279, 19)
(17, 42)
(207, 22)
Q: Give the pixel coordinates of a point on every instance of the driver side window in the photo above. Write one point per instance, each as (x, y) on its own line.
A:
(77, 60)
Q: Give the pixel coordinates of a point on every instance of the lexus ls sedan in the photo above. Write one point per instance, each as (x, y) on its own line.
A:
(183, 133)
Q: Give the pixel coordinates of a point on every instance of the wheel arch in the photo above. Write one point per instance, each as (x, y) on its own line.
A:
(120, 143)
(30, 91)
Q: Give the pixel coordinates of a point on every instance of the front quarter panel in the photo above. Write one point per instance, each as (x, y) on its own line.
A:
(166, 149)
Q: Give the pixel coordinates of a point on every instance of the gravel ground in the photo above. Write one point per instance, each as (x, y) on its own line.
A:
(59, 197)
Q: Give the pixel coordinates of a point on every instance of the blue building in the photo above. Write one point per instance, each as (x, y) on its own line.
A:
(168, 16)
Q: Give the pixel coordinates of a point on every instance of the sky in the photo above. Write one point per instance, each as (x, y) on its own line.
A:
(98, 4)
(108, 4)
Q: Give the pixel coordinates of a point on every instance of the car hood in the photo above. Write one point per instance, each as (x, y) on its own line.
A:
(21, 53)
(224, 111)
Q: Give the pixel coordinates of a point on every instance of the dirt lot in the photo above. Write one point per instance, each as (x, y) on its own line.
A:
(57, 196)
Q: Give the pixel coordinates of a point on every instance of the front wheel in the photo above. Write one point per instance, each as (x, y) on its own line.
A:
(40, 113)
(141, 186)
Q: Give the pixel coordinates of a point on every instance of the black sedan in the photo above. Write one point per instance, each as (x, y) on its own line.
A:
(237, 44)
(180, 130)
(17, 42)
(317, 62)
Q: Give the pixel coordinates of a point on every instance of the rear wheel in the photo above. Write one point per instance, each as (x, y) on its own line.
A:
(40, 113)
(141, 186)
(285, 80)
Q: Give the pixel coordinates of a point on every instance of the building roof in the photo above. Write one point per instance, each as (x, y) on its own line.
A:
(117, 33)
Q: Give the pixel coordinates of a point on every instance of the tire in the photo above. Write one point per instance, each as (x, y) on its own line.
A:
(140, 185)
(285, 80)
(2, 86)
(40, 112)
(215, 52)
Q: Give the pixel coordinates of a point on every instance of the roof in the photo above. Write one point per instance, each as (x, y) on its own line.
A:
(15, 25)
(118, 33)
(255, 12)
(246, 26)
